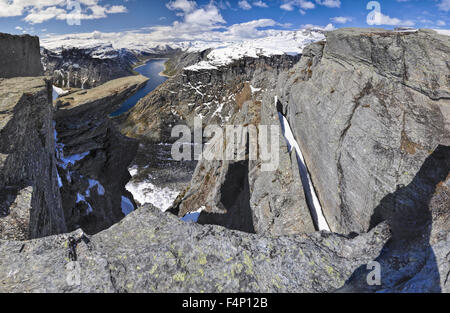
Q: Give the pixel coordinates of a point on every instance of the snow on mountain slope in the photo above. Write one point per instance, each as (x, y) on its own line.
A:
(108, 45)
(283, 42)
(443, 31)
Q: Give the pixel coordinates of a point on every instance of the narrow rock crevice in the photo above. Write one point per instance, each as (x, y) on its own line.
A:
(308, 187)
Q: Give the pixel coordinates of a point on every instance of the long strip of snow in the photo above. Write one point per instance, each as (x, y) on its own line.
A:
(311, 196)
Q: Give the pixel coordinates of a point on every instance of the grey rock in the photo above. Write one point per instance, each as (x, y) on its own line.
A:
(240, 195)
(19, 56)
(150, 251)
(27, 161)
(93, 186)
(369, 111)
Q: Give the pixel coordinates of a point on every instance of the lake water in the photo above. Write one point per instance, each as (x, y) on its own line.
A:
(151, 69)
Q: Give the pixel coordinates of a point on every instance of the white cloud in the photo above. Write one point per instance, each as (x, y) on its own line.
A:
(378, 18)
(183, 5)
(302, 4)
(341, 19)
(441, 23)
(328, 27)
(260, 4)
(248, 29)
(39, 16)
(444, 5)
(243, 4)
(289, 6)
(329, 3)
(39, 11)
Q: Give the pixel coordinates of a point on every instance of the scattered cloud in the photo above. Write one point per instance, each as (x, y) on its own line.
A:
(330, 3)
(260, 4)
(290, 5)
(39, 11)
(244, 5)
(183, 5)
(301, 4)
(341, 19)
(328, 27)
(444, 5)
(378, 18)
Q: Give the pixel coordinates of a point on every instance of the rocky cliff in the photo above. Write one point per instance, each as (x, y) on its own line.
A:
(81, 68)
(369, 110)
(19, 56)
(213, 95)
(30, 201)
(369, 115)
(93, 157)
(368, 107)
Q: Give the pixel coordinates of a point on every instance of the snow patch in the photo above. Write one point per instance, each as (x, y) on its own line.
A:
(253, 89)
(277, 43)
(445, 32)
(58, 92)
(92, 184)
(146, 192)
(306, 179)
(82, 199)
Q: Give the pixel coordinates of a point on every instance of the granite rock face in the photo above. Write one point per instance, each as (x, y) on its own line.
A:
(19, 56)
(29, 195)
(93, 156)
(240, 195)
(150, 251)
(367, 108)
(370, 112)
(416, 258)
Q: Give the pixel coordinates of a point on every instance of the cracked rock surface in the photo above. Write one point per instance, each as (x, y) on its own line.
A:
(151, 251)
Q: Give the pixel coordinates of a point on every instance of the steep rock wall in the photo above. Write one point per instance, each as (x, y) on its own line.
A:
(368, 107)
(78, 68)
(93, 157)
(19, 56)
(29, 192)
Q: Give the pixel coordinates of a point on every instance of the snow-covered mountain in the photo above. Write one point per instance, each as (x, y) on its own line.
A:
(89, 59)
(107, 45)
(278, 43)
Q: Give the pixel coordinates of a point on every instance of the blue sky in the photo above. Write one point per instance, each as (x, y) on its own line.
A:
(43, 17)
